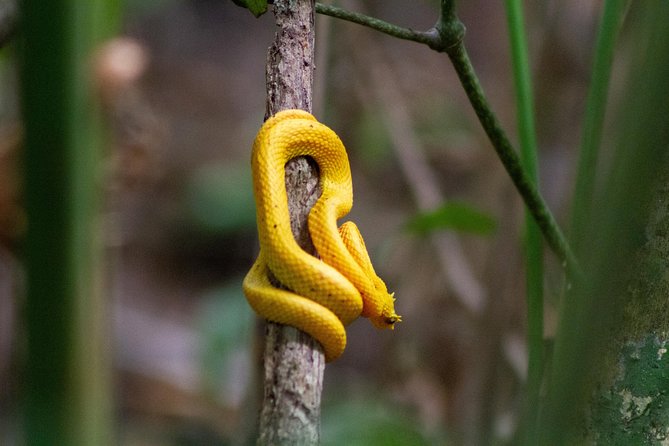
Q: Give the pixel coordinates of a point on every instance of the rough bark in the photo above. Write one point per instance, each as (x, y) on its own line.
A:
(294, 362)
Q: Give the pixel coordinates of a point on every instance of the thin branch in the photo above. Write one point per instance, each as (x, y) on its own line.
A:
(430, 38)
(509, 158)
(447, 36)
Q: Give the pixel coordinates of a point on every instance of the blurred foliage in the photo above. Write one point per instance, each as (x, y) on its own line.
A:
(455, 216)
(438, 122)
(67, 388)
(257, 7)
(8, 99)
(225, 325)
(220, 198)
(138, 7)
(369, 422)
(371, 140)
(589, 338)
(218, 201)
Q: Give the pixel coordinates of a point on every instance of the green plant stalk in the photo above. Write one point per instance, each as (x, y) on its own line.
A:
(595, 111)
(446, 36)
(533, 241)
(67, 392)
(592, 319)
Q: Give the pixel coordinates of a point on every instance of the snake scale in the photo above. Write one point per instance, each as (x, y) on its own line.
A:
(325, 293)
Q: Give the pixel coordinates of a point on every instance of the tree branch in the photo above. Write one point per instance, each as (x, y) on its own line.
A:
(429, 38)
(294, 362)
(447, 36)
(509, 157)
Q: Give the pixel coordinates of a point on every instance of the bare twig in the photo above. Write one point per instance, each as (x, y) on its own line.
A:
(294, 362)
(447, 37)
(430, 37)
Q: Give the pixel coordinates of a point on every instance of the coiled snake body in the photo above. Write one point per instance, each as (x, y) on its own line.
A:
(323, 294)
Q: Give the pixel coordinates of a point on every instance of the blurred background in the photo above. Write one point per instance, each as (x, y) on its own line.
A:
(180, 231)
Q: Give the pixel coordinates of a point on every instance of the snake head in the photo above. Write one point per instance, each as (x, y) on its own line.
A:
(388, 317)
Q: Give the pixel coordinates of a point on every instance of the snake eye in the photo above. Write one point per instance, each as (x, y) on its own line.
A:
(390, 320)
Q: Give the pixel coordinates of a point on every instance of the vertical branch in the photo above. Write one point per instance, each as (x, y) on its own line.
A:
(294, 362)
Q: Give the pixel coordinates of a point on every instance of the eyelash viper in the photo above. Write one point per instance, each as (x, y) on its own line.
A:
(327, 293)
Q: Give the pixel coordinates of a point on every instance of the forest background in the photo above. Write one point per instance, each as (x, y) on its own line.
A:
(179, 222)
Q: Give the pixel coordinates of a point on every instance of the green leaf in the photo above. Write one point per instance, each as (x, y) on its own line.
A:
(257, 7)
(455, 216)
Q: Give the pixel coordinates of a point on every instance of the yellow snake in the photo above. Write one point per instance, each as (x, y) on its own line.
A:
(327, 293)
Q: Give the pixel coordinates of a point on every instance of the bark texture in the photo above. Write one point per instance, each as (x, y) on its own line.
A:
(294, 362)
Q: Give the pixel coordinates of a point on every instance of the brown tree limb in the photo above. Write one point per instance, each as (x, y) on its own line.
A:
(294, 362)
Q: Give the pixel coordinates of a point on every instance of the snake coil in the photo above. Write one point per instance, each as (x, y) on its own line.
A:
(327, 293)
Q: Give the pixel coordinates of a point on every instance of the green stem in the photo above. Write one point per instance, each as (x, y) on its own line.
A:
(594, 118)
(533, 242)
(67, 393)
(509, 158)
(428, 38)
